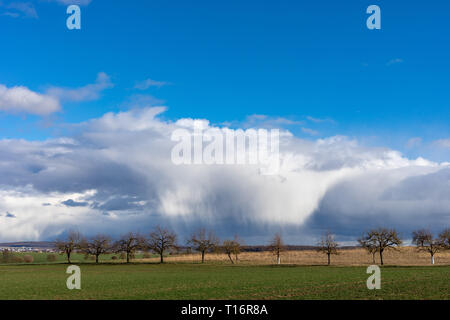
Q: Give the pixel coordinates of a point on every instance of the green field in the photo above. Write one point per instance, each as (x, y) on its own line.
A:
(209, 281)
(39, 258)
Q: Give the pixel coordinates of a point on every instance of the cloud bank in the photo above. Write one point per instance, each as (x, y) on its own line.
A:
(115, 174)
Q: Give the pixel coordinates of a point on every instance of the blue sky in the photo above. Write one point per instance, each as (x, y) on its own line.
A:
(312, 64)
(227, 60)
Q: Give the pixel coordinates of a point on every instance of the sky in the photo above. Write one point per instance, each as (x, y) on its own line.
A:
(86, 116)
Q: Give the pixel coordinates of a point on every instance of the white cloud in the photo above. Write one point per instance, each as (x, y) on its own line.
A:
(69, 2)
(142, 100)
(23, 100)
(414, 142)
(25, 9)
(265, 121)
(144, 85)
(119, 168)
(20, 99)
(394, 61)
(86, 93)
(318, 120)
(442, 143)
(310, 131)
(11, 14)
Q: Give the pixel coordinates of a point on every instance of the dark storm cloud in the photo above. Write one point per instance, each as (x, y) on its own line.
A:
(72, 203)
(390, 200)
(114, 174)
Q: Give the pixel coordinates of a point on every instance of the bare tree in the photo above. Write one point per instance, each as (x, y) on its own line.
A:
(162, 240)
(328, 246)
(238, 243)
(444, 238)
(370, 246)
(100, 244)
(232, 247)
(425, 241)
(69, 245)
(129, 244)
(277, 246)
(382, 238)
(202, 242)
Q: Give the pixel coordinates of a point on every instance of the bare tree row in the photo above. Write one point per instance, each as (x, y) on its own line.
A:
(376, 241)
(381, 239)
(161, 241)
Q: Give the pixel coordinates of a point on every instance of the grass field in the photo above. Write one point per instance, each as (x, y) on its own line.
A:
(407, 275)
(220, 281)
(40, 258)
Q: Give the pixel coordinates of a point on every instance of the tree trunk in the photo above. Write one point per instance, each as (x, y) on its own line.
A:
(96, 258)
(278, 259)
(68, 257)
(229, 256)
(373, 257)
(432, 258)
(128, 257)
(162, 258)
(236, 256)
(328, 259)
(203, 256)
(381, 256)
